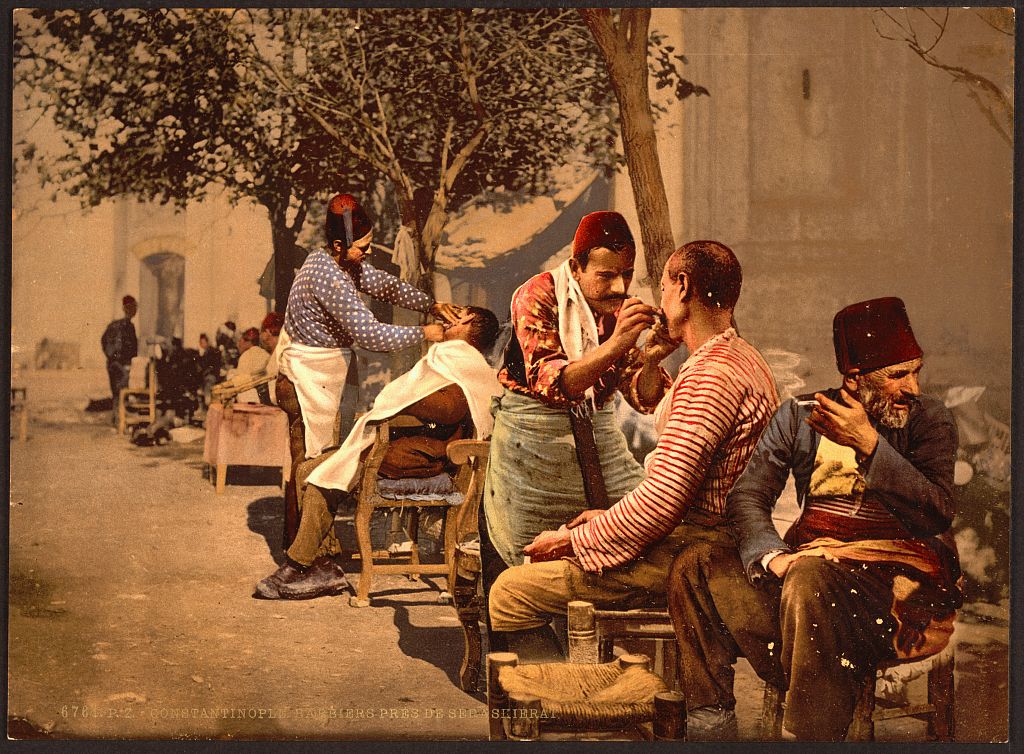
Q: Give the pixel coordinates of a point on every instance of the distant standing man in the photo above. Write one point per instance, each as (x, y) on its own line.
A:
(120, 346)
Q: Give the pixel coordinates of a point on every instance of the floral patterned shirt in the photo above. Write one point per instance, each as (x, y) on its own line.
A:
(535, 357)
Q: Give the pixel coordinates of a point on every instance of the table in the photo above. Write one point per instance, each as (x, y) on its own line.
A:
(248, 434)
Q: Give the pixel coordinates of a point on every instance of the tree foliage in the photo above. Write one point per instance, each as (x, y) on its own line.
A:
(446, 103)
(150, 103)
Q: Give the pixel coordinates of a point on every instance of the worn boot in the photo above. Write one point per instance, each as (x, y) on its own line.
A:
(711, 724)
(267, 589)
(324, 578)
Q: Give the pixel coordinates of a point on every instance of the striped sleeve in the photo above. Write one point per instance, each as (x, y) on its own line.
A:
(704, 411)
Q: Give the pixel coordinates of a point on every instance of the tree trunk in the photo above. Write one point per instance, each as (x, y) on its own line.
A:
(624, 49)
(284, 263)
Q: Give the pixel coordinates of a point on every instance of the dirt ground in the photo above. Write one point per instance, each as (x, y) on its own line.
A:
(131, 615)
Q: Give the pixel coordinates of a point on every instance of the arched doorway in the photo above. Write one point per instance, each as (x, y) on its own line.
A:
(162, 282)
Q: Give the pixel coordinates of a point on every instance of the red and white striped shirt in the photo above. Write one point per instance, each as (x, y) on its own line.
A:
(722, 401)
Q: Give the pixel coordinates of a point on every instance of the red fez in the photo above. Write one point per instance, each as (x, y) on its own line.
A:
(252, 335)
(602, 230)
(127, 300)
(273, 322)
(873, 334)
(346, 220)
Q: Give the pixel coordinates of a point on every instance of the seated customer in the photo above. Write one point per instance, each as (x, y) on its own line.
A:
(867, 573)
(708, 425)
(449, 389)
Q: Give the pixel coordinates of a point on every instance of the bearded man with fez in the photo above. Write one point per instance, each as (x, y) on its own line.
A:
(867, 573)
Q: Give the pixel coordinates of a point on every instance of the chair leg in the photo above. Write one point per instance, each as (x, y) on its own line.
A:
(122, 419)
(363, 512)
(414, 535)
(222, 477)
(465, 579)
(771, 713)
(863, 727)
(582, 632)
(941, 694)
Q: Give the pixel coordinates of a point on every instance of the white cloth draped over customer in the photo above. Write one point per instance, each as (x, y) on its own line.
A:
(450, 362)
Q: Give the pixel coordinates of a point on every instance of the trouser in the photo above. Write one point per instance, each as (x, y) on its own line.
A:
(527, 596)
(818, 633)
(117, 373)
(309, 517)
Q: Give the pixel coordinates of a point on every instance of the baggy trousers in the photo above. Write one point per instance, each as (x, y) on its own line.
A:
(819, 633)
(309, 519)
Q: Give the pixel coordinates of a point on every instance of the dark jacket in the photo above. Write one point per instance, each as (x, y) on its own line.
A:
(119, 343)
(910, 473)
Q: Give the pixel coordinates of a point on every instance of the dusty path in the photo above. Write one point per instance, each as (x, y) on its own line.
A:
(131, 612)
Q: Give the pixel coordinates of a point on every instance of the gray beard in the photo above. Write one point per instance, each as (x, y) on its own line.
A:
(882, 409)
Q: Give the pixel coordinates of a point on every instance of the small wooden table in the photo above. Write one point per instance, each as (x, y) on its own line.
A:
(246, 434)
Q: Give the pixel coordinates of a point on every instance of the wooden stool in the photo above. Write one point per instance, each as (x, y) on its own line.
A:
(593, 632)
(938, 709)
(526, 702)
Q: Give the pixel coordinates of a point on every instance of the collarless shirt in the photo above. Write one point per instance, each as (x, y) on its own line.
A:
(325, 310)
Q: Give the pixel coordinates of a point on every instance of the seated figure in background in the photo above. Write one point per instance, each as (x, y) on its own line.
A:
(449, 390)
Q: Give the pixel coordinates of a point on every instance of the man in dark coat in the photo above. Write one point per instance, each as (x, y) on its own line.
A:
(867, 573)
(120, 346)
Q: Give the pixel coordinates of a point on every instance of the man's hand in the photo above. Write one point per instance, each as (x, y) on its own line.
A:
(844, 423)
(634, 317)
(450, 313)
(550, 545)
(588, 515)
(433, 333)
(659, 345)
(781, 563)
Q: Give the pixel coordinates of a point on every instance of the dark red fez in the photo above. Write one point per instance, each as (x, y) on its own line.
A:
(252, 335)
(273, 322)
(346, 220)
(602, 230)
(127, 300)
(873, 334)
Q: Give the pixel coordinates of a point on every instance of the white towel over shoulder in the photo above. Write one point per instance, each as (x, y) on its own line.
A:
(453, 361)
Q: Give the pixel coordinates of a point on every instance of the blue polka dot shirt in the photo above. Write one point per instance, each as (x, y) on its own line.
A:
(324, 308)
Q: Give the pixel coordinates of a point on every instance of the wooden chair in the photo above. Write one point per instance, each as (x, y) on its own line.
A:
(138, 400)
(938, 709)
(468, 481)
(593, 633)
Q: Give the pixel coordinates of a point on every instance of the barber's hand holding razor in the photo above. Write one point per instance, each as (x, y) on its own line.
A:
(659, 343)
(633, 318)
(450, 313)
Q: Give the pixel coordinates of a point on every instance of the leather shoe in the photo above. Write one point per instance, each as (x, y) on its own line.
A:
(267, 589)
(711, 724)
(324, 578)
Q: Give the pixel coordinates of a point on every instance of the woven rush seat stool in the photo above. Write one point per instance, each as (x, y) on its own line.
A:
(888, 682)
(524, 701)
